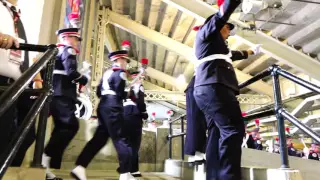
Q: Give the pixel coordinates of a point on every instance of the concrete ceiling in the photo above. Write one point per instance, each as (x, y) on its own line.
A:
(161, 30)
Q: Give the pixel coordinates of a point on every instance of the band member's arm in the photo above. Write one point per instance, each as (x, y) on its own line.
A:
(218, 20)
(239, 55)
(120, 85)
(141, 103)
(37, 79)
(70, 65)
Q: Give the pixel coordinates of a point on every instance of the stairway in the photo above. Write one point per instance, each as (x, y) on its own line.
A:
(113, 175)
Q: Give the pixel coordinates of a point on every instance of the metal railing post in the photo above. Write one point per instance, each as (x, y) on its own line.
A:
(13, 147)
(43, 117)
(170, 140)
(281, 128)
(182, 138)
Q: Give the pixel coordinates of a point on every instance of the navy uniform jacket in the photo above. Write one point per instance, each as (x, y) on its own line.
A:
(236, 55)
(114, 80)
(257, 144)
(313, 155)
(66, 76)
(137, 96)
(210, 42)
(292, 151)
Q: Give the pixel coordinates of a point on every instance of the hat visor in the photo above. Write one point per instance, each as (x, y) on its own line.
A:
(127, 58)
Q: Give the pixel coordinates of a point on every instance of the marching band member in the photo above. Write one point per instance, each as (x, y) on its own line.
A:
(215, 91)
(134, 112)
(62, 108)
(196, 124)
(313, 153)
(111, 91)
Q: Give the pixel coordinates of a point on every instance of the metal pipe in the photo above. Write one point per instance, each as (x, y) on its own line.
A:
(13, 92)
(177, 119)
(177, 135)
(33, 47)
(269, 112)
(256, 78)
(29, 91)
(281, 128)
(170, 141)
(182, 139)
(43, 118)
(20, 135)
(298, 80)
(301, 126)
(311, 2)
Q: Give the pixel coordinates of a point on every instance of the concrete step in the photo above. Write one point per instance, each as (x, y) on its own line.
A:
(187, 171)
(112, 175)
(24, 174)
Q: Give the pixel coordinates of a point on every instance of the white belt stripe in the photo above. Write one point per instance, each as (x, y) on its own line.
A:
(212, 58)
(129, 102)
(61, 72)
(108, 91)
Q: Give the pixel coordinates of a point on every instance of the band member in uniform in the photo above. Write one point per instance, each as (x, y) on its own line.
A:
(216, 87)
(196, 123)
(110, 115)
(62, 108)
(257, 143)
(248, 141)
(291, 150)
(313, 153)
(135, 111)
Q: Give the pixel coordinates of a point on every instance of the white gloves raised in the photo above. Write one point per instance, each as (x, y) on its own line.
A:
(256, 49)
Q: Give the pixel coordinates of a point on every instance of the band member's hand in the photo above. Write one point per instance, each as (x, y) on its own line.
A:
(7, 41)
(255, 49)
(37, 85)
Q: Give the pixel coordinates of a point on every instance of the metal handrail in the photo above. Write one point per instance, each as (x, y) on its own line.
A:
(280, 112)
(182, 134)
(41, 105)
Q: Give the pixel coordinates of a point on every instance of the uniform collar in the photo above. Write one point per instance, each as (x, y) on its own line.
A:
(116, 67)
(64, 45)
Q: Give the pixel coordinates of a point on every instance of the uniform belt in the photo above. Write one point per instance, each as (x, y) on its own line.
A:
(213, 57)
(108, 91)
(129, 102)
(61, 72)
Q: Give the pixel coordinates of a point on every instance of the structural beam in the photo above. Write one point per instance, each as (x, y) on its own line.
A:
(256, 64)
(271, 46)
(150, 35)
(151, 72)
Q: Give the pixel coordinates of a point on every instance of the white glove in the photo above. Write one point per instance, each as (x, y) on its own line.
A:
(256, 49)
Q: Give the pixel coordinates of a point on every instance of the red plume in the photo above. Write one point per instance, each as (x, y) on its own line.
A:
(153, 114)
(288, 130)
(144, 61)
(277, 139)
(243, 114)
(196, 28)
(257, 121)
(220, 2)
(73, 16)
(125, 43)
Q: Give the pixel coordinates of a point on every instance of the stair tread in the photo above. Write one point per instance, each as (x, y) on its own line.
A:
(112, 175)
